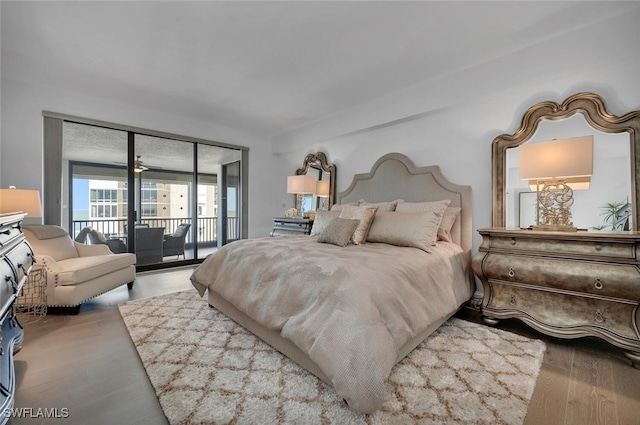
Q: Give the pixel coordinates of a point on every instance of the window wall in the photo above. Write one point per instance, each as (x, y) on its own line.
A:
(144, 187)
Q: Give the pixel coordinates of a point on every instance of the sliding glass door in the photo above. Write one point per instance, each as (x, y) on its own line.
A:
(219, 219)
(169, 201)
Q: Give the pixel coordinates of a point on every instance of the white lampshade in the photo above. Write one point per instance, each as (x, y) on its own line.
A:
(301, 184)
(569, 159)
(322, 188)
(20, 200)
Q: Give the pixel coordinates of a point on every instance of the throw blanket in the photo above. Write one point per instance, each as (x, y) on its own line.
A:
(350, 309)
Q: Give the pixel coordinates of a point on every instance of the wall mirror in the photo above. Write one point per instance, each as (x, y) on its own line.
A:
(615, 184)
(316, 164)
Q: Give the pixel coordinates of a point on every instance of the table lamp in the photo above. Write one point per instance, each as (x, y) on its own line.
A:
(555, 169)
(20, 200)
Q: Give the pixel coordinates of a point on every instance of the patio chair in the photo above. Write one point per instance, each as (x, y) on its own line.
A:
(174, 243)
(117, 246)
(149, 241)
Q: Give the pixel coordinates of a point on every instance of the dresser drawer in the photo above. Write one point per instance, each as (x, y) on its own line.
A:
(16, 263)
(548, 246)
(22, 257)
(8, 233)
(8, 282)
(564, 311)
(287, 226)
(301, 227)
(601, 279)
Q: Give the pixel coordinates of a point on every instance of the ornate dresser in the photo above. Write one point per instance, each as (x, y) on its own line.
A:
(564, 284)
(16, 258)
(291, 226)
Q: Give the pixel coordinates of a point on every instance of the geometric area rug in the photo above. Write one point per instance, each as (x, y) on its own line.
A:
(206, 369)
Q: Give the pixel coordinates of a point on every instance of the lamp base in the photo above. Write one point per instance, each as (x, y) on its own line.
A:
(551, 228)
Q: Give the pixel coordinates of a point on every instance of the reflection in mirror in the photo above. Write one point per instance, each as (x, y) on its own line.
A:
(325, 174)
(610, 183)
(611, 201)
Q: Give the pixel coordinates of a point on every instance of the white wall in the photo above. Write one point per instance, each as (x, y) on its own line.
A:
(453, 121)
(450, 121)
(22, 136)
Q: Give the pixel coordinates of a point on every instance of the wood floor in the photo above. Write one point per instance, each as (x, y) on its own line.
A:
(87, 366)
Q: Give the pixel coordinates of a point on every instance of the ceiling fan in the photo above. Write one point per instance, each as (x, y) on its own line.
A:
(138, 166)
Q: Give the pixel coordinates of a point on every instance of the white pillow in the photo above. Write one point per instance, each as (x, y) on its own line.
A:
(414, 229)
(339, 207)
(382, 206)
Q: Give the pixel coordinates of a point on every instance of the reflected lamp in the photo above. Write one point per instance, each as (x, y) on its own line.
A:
(554, 170)
(322, 192)
(300, 185)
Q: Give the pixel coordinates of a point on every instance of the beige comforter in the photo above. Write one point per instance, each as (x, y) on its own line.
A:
(350, 309)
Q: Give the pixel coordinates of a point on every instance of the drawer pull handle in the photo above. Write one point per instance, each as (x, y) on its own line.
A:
(598, 247)
(599, 317)
(512, 272)
(14, 284)
(513, 241)
(512, 301)
(598, 283)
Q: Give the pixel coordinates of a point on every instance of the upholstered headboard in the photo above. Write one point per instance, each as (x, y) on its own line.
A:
(394, 176)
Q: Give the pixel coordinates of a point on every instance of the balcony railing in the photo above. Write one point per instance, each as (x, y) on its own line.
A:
(117, 228)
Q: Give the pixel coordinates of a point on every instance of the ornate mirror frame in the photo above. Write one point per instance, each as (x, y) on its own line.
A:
(320, 159)
(596, 114)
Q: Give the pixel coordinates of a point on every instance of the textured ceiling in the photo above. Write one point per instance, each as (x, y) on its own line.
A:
(268, 67)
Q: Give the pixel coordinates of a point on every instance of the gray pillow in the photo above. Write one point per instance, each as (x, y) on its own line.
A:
(323, 218)
(339, 231)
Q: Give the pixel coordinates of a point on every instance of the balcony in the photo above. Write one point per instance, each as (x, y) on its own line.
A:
(207, 228)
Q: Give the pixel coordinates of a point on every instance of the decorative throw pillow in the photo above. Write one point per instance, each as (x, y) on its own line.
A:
(413, 229)
(322, 220)
(339, 207)
(435, 207)
(382, 206)
(339, 231)
(365, 215)
(448, 218)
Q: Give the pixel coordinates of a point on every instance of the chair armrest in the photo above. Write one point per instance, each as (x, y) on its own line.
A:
(91, 250)
(48, 263)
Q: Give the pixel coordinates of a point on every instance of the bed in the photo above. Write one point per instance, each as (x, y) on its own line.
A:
(349, 313)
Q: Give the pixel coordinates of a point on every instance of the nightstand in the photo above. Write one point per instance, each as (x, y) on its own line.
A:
(564, 284)
(291, 226)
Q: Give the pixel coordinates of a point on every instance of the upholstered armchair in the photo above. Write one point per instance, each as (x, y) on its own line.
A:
(77, 272)
(174, 244)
